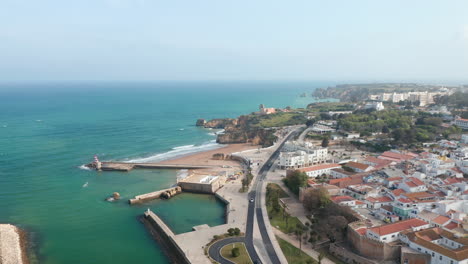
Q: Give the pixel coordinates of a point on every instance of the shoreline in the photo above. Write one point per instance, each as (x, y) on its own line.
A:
(206, 158)
(13, 244)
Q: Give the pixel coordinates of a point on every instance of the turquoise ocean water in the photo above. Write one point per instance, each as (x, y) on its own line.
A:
(47, 130)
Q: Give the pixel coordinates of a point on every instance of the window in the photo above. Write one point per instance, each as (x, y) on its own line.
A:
(433, 254)
(440, 258)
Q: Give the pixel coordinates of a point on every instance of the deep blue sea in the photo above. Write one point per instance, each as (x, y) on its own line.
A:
(48, 130)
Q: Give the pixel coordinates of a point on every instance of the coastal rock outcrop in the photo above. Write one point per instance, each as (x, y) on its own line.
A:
(220, 123)
(244, 129)
(201, 122)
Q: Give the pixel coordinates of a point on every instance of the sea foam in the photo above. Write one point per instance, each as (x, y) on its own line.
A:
(178, 152)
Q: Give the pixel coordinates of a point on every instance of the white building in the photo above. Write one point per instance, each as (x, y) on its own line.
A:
(412, 184)
(389, 233)
(374, 105)
(462, 123)
(299, 156)
(319, 170)
(442, 246)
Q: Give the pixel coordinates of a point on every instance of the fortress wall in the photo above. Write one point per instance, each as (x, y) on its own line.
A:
(164, 235)
(371, 248)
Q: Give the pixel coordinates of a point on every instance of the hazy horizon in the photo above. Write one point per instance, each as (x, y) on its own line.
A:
(140, 40)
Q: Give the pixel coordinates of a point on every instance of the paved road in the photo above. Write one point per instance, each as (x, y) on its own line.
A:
(252, 209)
(257, 188)
(215, 249)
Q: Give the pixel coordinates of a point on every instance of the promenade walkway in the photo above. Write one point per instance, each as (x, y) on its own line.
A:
(305, 248)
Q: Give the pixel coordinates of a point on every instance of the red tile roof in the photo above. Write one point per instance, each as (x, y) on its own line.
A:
(343, 198)
(451, 180)
(441, 220)
(398, 226)
(451, 225)
(381, 199)
(390, 155)
(362, 231)
(416, 181)
(404, 200)
(397, 192)
(394, 179)
(334, 181)
(321, 167)
(357, 165)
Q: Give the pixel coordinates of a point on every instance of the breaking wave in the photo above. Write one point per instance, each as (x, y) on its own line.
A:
(178, 152)
(83, 167)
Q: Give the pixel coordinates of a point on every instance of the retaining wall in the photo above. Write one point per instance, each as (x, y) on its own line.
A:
(348, 256)
(164, 235)
(228, 206)
(371, 248)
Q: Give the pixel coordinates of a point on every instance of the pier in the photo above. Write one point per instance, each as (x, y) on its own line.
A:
(128, 166)
(166, 193)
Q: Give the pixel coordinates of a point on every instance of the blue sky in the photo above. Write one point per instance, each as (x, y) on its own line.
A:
(234, 40)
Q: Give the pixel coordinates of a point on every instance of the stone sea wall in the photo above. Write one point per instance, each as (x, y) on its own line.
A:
(11, 248)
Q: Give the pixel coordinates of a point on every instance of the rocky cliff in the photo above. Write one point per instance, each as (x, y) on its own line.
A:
(220, 123)
(240, 130)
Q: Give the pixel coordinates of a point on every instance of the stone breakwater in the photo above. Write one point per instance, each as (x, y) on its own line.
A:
(11, 251)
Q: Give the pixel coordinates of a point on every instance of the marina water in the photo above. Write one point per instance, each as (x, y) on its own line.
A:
(48, 130)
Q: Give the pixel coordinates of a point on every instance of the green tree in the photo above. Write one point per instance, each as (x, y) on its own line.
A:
(321, 256)
(299, 231)
(325, 142)
(310, 122)
(235, 252)
(274, 200)
(385, 130)
(295, 180)
(316, 198)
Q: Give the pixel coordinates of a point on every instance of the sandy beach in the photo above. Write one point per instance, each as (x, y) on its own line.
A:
(10, 245)
(206, 158)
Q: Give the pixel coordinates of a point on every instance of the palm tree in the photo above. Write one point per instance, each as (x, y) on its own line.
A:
(320, 257)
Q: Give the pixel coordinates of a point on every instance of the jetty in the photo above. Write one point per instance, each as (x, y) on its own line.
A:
(128, 166)
(166, 193)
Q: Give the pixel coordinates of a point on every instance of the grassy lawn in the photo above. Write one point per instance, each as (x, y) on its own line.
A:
(293, 254)
(276, 218)
(277, 188)
(282, 119)
(243, 258)
(330, 256)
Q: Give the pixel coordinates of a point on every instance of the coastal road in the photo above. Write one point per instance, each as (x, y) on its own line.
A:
(254, 207)
(256, 194)
(215, 249)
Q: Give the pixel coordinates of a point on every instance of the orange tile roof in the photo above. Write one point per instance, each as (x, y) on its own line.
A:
(362, 231)
(343, 198)
(416, 181)
(395, 156)
(398, 226)
(357, 165)
(397, 192)
(334, 181)
(321, 167)
(451, 225)
(381, 199)
(425, 238)
(394, 179)
(441, 220)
